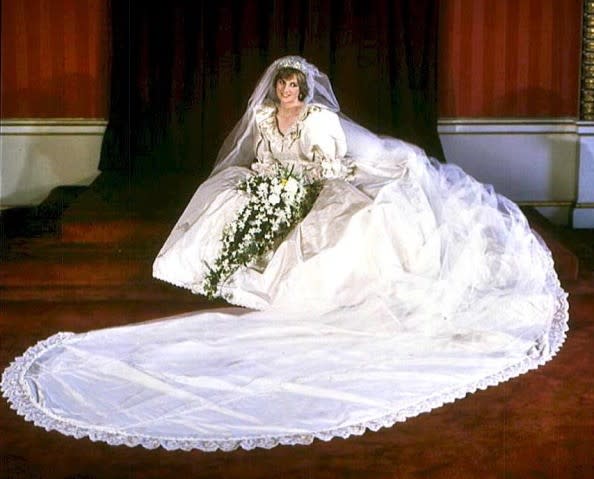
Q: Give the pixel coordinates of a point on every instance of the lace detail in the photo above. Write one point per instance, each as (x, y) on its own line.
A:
(266, 120)
(15, 389)
(231, 295)
(273, 147)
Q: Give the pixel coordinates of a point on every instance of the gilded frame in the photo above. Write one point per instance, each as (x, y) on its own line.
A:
(587, 66)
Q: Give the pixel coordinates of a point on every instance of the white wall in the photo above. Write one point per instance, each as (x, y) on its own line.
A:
(533, 162)
(38, 155)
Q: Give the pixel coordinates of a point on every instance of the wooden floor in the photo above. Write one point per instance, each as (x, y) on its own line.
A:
(93, 270)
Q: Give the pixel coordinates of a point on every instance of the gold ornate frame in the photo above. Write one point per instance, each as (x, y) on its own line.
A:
(587, 67)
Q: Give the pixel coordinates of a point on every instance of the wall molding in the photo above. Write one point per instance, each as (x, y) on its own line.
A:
(40, 154)
(52, 126)
(508, 126)
(547, 204)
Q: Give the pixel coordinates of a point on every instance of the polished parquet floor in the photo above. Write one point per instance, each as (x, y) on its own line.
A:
(92, 270)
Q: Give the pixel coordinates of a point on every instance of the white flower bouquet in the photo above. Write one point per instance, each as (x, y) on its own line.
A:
(277, 201)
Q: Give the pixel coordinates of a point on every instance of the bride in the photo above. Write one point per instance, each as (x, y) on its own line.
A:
(372, 225)
(396, 285)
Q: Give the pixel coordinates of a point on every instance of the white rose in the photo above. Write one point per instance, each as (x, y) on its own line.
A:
(292, 186)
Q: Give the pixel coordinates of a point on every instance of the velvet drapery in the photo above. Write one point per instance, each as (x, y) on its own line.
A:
(182, 71)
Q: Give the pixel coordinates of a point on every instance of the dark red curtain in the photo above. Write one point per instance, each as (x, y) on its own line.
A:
(182, 71)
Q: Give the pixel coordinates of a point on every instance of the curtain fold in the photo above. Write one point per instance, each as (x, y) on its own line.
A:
(182, 71)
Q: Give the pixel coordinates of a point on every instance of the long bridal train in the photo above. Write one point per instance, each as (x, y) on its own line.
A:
(241, 378)
(404, 288)
(328, 378)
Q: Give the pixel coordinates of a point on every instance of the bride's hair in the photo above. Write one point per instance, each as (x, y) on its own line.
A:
(286, 72)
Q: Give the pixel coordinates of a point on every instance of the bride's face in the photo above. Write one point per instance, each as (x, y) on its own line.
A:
(287, 90)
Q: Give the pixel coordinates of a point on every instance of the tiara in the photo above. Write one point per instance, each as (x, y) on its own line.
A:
(292, 62)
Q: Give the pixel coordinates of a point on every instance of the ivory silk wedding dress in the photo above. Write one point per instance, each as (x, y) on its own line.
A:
(406, 286)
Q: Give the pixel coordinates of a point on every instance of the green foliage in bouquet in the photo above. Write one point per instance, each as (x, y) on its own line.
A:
(277, 201)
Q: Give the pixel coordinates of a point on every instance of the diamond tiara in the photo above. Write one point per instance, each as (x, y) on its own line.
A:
(292, 62)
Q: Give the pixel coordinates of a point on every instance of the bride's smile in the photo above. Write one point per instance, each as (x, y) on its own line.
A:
(287, 91)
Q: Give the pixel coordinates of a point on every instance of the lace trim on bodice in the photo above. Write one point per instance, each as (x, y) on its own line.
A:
(278, 142)
(290, 149)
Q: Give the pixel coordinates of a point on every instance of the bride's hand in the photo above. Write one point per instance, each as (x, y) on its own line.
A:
(263, 167)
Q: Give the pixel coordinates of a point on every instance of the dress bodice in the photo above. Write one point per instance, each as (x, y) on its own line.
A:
(314, 145)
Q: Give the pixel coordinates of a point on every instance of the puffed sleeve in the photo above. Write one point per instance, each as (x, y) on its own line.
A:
(323, 142)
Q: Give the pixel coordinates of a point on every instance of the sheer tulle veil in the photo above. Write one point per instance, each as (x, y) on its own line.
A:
(237, 147)
(370, 152)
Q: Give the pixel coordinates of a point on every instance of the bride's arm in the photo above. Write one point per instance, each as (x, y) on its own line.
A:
(323, 142)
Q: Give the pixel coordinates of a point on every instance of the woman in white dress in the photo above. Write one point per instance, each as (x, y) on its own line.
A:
(344, 251)
(407, 285)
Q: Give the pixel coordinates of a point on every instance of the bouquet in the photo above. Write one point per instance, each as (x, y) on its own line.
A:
(277, 200)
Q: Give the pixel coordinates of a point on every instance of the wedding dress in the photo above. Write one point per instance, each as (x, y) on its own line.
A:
(408, 285)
